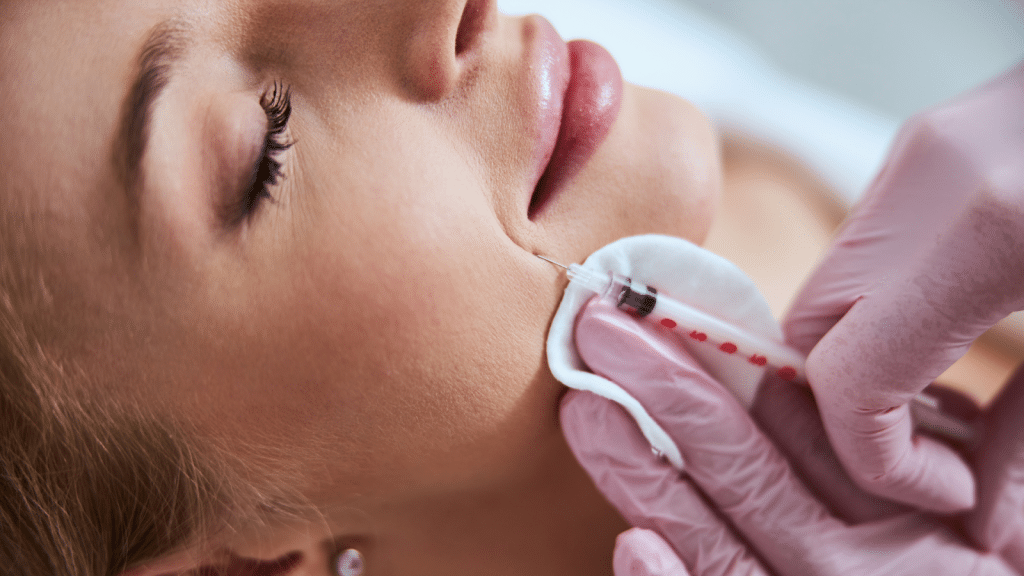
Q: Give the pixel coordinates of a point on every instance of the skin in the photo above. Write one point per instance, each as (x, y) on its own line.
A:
(375, 332)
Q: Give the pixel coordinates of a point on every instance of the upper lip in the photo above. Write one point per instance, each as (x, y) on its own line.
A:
(549, 69)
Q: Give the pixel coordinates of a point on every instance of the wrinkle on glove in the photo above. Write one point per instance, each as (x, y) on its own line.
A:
(739, 508)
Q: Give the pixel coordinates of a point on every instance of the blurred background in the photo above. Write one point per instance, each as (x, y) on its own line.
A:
(827, 82)
(894, 56)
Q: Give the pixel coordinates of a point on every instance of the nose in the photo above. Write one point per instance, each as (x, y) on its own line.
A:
(446, 39)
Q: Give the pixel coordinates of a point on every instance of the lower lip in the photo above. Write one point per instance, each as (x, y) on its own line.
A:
(591, 105)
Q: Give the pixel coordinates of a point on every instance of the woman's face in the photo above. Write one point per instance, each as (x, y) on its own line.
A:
(377, 316)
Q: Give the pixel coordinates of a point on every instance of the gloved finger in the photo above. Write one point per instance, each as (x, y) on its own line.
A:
(733, 463)
(640, 552)
(863, 393)
(647, 491)
(960, 158)
(893, 343)
(788, 414)
(876, 238)
(997, 523)
(926, 263)
(906, 544)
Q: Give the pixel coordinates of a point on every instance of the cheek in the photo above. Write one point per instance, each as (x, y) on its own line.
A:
(440, 367)
(417, 322)
(684, 158)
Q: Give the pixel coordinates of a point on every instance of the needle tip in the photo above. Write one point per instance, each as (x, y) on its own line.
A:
(551, 261)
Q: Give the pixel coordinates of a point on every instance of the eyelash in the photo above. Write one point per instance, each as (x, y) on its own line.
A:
(277, 104)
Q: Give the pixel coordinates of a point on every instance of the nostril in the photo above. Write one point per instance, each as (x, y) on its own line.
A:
(474, 19)
(431, 70)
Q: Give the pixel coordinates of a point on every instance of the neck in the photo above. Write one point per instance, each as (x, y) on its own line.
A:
(553, 522)
(549, 520)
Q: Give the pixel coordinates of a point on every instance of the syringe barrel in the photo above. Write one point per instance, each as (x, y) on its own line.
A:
(643, 301)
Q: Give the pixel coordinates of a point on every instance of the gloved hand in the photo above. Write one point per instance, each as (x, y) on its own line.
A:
(788, 415)
(930, 258)
(998, 521)
(640, 552)
(739, 509)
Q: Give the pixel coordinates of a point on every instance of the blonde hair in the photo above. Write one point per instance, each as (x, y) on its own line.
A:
(93, 486)
(89, 488)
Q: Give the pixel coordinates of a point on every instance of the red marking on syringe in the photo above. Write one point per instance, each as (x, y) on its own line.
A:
(755, 356)
(787, 373)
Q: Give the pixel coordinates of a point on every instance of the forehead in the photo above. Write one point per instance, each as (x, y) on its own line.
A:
(66, 68)
(69, 66)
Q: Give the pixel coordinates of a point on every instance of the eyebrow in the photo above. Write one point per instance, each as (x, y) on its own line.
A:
(164, 48)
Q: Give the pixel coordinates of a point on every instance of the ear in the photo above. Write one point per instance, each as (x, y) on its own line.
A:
(228, 564)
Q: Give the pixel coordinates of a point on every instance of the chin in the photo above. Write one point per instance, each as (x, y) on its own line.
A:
(680, 165)
(657, 172)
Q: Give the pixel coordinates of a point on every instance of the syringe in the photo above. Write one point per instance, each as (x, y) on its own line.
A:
(705, 329)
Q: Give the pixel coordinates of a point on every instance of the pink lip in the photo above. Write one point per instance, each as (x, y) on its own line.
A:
(580, 90)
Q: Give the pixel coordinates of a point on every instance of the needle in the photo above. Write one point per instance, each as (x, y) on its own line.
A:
(551, 261)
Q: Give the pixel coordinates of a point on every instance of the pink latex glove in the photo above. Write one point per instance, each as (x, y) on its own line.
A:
(739, 509)
(998, 521)
(929, 259)
(788, 415)
(640, 552)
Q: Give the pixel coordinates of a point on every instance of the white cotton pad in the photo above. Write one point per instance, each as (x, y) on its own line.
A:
(687, 273)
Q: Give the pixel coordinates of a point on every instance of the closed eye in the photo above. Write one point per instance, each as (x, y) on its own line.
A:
(268, 170)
